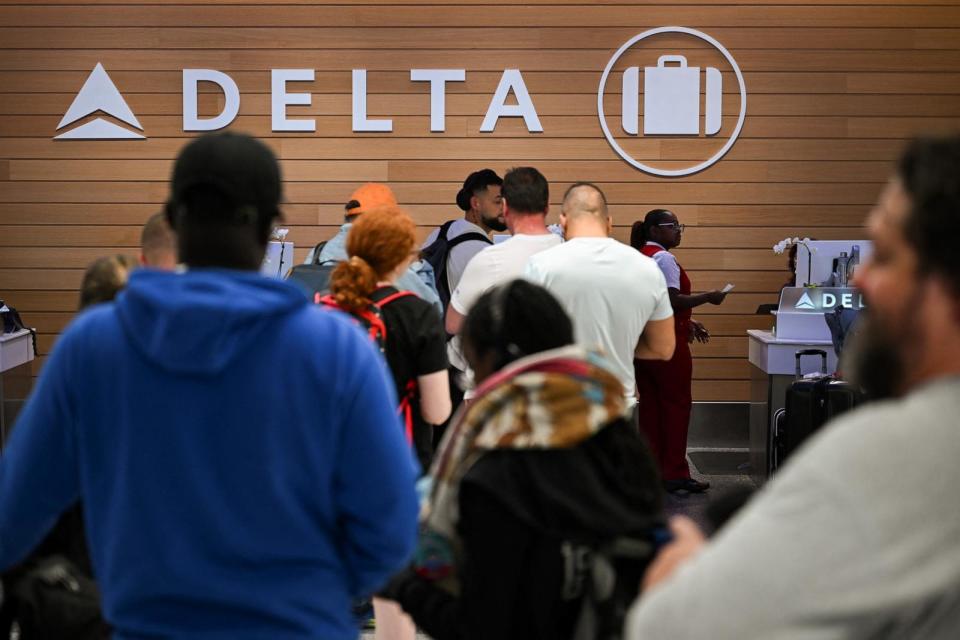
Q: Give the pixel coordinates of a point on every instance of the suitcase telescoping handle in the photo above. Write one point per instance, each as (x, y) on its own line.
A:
(812, 352)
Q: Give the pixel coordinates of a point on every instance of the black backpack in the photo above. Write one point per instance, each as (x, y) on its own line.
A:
(607, 582)
(315, 276)
(55, 600)
(438, 252)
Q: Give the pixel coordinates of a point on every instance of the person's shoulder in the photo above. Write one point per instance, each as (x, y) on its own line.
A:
(664, 256)
(528, 244)
(97, 322)
(410, 304)
(553, 253)
(635, 259)
(461, 227)
(487, 256)
(318, 325)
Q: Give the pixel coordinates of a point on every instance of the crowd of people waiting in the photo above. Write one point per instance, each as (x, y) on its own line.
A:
(477, 435)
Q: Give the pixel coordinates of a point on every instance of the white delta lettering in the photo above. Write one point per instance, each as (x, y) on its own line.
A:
(231, 102)
(281, 98)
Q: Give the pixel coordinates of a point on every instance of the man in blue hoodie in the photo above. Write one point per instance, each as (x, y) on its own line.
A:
(241, 467)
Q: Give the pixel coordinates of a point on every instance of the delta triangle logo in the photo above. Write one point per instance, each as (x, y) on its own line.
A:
(805, 302)
(99, 94)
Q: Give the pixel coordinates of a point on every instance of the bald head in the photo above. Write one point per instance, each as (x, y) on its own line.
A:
(585, 199)
(584, 211)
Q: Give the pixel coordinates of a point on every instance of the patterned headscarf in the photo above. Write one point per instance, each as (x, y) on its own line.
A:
(552, 400)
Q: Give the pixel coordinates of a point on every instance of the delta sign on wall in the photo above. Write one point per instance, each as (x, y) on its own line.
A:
(667, 85)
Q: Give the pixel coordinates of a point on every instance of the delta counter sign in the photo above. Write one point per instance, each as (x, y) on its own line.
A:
(671, 102)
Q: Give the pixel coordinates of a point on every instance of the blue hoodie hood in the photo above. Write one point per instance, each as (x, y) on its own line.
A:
(196, 322)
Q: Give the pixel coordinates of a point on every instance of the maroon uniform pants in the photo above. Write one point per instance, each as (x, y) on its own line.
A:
(663, 389)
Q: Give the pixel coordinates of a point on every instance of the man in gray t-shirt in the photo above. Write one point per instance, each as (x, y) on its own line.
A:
(859, 535)
(481, 204)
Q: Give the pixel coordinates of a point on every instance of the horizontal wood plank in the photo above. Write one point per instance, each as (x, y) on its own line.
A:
(834, 91)
(51, 18)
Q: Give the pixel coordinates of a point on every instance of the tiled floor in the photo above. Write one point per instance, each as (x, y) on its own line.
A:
(696, 506)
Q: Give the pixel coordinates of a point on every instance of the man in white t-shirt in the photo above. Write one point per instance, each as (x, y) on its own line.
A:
(616, 296)
(466, 237)
(525, 195)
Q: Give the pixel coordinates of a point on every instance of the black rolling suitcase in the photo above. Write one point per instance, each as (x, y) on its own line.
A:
(810, 403)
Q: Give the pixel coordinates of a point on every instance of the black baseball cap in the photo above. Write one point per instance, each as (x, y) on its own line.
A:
(476, 180)
(241, 167)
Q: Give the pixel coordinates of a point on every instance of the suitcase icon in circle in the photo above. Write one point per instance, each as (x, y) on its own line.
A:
(671, 99)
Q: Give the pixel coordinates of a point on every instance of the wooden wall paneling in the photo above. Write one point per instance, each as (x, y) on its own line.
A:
(51, 19)
(835, 89)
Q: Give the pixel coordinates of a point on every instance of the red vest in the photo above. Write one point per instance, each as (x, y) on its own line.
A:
(681, 317)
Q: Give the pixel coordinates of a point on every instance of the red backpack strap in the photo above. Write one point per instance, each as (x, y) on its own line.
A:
(378, 330)
(396, 295)
(405, 409)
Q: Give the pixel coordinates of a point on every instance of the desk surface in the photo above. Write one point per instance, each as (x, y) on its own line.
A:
(767, 337)
(15, 349)
(777, 356)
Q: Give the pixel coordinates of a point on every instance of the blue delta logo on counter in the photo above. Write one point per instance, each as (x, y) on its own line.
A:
(805, 302)
(821, 300)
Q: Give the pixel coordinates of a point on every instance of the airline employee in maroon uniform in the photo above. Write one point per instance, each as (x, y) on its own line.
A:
(663, 388)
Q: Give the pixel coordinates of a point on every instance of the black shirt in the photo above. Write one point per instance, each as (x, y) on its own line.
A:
(416, 345)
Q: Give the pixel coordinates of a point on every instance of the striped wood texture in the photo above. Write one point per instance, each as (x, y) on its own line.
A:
(834, 88)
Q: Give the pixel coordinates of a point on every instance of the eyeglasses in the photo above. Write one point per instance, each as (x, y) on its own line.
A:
(673, 225)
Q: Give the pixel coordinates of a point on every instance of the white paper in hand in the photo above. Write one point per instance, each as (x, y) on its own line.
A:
(728, 288)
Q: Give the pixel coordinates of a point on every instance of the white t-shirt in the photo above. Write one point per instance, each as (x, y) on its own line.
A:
(492, 266)
(610, 291)
(668, 264)
(461, 254)
(498, 264)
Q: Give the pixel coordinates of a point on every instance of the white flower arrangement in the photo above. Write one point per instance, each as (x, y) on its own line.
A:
(786, 243)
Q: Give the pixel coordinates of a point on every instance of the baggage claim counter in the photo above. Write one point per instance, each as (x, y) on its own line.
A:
(798, 323)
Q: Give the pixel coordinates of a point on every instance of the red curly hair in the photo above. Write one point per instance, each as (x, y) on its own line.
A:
(378, 241)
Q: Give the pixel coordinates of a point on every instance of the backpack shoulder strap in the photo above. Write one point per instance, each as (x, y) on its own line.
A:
(468, 237)
(445, 228)
(316, 251)
(396, 295)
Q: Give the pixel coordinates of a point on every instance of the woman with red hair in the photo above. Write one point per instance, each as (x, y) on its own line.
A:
(381, 246)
